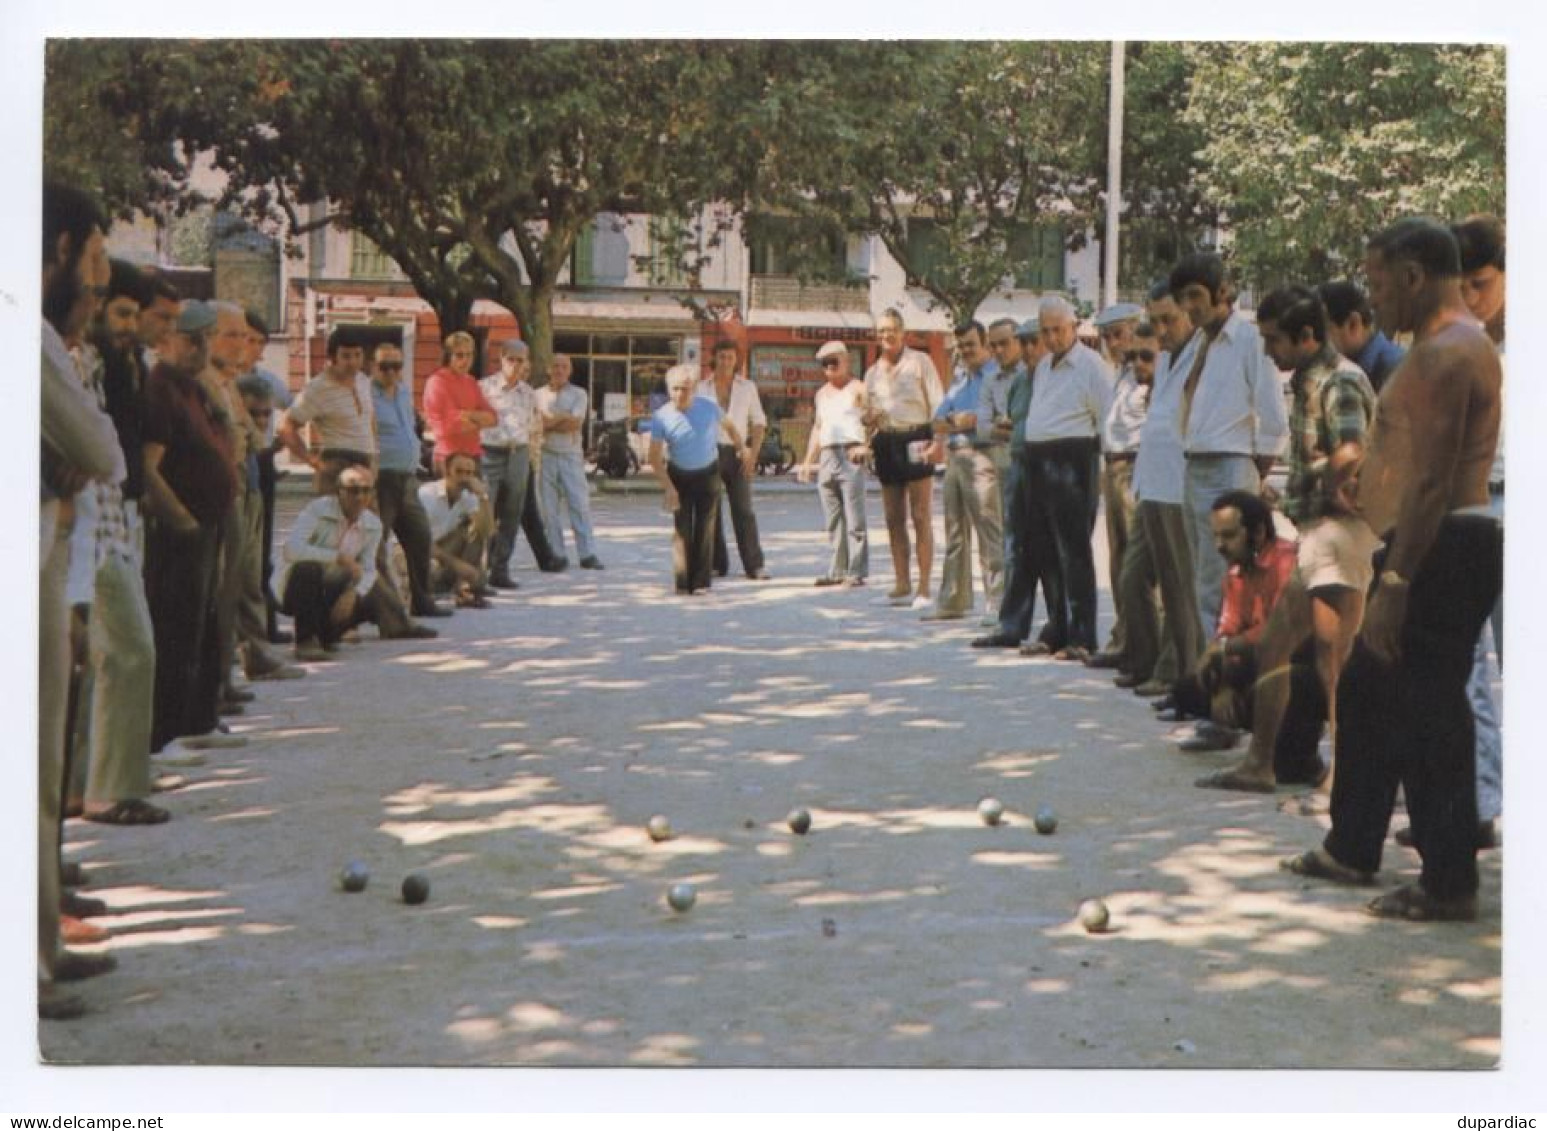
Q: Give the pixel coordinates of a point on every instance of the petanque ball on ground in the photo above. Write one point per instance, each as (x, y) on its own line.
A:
(991, 809)
(416, 889)
(681, 897)
(1094, 916)
(659, 828)
(799, 821)
(355, 876)
(1046, 821)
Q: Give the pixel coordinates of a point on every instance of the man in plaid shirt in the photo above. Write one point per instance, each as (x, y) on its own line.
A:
(1313, 625)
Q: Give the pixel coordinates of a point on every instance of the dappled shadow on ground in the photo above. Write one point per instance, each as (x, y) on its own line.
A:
(517, 761)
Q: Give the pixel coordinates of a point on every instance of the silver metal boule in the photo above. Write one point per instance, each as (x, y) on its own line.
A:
(355, 876)
(681, 897)
(1094, 916)
(799, 821)
(991, 809)
(659, 828)
(1046, 821)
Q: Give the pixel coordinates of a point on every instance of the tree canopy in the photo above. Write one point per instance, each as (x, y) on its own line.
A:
(1311, 148)
(476, 164)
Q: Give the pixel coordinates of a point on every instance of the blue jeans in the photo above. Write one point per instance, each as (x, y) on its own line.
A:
(1485, 712)
(505, 471)
(563, 474)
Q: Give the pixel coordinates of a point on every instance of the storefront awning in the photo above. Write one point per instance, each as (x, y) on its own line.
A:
(663, 314)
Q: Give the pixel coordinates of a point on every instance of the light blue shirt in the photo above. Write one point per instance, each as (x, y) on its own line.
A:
(966, 395)
(691, 435)
(395, 439)
(1159, 473)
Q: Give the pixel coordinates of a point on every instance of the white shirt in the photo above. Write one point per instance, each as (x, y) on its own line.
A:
(515, 406)
(1160, 472)
(908, 392)
(445, 515)
(838, 414)
(744, 410)
(570, 400)
(1130, 404)
(1238, 405)
(1069, 400)
(320, 534)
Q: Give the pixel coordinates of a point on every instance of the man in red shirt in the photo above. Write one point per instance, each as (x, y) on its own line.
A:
(454, 405)
(1258, 566)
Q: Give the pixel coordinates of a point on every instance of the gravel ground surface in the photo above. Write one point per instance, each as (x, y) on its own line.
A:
(516, 760)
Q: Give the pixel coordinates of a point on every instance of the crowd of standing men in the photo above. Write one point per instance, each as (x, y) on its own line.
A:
(1353, 596)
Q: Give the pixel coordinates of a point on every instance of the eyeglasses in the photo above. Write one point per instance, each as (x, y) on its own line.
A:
(390, 366)
(829, 363)
(1140, 355)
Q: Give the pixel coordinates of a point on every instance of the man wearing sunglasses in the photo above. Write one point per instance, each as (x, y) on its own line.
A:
(329, 566)
(397, 488)
(1118, 325)
(838, 440)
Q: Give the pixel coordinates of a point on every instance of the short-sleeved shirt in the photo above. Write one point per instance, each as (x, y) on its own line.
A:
(691, 435)
(1337, 550)
(342, 411)
(907, 392)
(446, 516)
(1333, 403)
(396, 440)
(571, 400)
(516, 409)
(197, 463)
(839, 414)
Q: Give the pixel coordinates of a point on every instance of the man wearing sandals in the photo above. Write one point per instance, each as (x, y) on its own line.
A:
(1403, 717)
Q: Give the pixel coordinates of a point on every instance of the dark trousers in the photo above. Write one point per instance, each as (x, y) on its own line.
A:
(398, 506)
(1062, 486)
(310, 593)
(738, 497)
(506, 471)
(1410, 724)
(1029, 559)
(692, 545)
(532, 527)
(268, 480)
(1296, 760)
(180, 575)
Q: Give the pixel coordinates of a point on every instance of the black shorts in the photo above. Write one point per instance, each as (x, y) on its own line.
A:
(893, 467)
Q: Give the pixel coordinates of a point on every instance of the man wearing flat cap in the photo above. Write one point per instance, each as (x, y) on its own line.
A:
(507, 452)
(838, 442)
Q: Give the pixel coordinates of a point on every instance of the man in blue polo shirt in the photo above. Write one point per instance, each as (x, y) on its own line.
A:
(397, 489)
(685, 455)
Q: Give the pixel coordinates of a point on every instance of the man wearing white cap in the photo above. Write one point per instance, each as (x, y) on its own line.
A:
(838, 440)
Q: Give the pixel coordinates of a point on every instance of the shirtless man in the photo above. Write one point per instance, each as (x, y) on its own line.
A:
(1402, 711)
